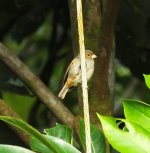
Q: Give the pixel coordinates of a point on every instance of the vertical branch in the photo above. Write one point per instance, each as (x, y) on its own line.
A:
(84, 78)
(102, 96)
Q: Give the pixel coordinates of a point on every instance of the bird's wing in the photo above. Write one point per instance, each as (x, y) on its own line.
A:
(66, 73)
(72, 69)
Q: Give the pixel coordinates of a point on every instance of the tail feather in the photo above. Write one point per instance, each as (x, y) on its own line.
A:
(63, 92)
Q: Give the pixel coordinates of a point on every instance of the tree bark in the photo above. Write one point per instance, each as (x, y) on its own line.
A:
(99, 24)
(7, 111)
(102, 96)
(33, 82)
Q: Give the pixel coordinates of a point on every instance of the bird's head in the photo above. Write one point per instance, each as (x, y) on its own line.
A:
(89, 54)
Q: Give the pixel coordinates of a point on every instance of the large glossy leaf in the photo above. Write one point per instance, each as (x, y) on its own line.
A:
(97, 138)
(37, 146)
(147, 80)
(134, 139)
(137, 112)
(29, 129)
(60, 131)
(13, 149)
(59, 144)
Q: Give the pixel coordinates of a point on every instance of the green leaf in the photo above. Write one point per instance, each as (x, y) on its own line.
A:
(29, 129)
(134, 139)
(147, 80)
(59, 144)
(20, 104)
(137, 112)
(97, 138)
(13, 149)
(37, 146)
(60, 131)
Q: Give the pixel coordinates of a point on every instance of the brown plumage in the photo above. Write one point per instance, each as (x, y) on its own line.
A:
(73, 72)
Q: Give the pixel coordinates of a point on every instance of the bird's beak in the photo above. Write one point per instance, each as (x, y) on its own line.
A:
(94, 56)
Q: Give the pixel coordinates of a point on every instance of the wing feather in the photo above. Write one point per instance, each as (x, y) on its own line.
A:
(72, 69)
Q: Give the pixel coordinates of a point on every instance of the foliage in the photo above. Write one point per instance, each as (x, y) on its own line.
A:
(39, 33)
(60, 131)
(57, 139)
(97, 138)
(13, 149)
(126, 135)
(48, 143)
(147, 80)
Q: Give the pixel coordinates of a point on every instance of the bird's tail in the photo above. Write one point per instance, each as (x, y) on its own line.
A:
(63, 92)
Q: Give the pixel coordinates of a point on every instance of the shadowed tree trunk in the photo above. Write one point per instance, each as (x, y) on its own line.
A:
(99, 24)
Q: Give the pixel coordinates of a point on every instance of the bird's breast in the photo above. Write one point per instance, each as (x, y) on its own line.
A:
(89, 68)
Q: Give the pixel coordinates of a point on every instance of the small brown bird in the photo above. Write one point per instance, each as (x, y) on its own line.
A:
(73, 73)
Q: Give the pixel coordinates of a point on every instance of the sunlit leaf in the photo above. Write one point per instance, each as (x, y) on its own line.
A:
(135, 139)
(13, 149)
(137, 112)
(147, 80)
(59, 144)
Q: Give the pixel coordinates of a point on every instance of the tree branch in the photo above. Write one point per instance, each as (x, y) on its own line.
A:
(102, 97)
(46, 96)
(7, 111)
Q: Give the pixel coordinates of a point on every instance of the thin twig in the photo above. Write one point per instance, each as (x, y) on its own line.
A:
(84, 78)
(32, 81)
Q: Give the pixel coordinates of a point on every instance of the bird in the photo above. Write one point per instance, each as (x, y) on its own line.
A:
(72, 76)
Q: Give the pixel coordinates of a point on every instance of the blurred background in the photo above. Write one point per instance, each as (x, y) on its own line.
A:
(39, 32)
